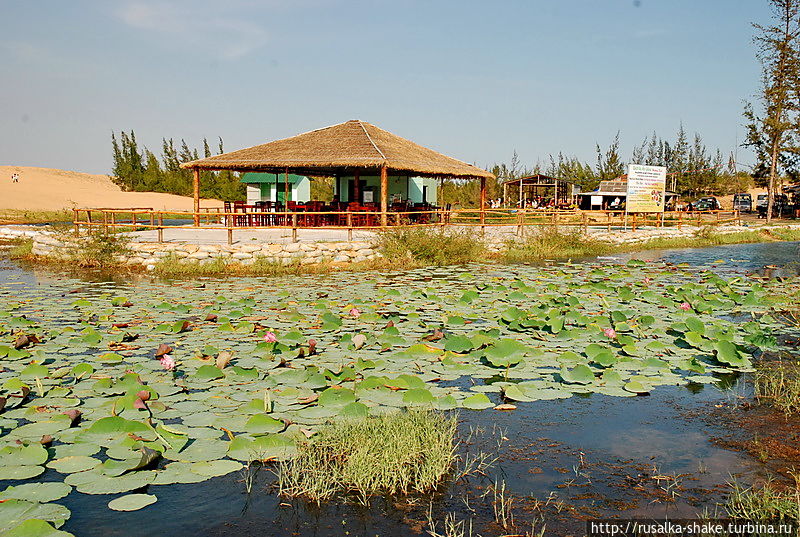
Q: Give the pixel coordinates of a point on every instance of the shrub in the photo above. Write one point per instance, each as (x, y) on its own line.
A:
(429, 246)
(388, 454)
(98, 249)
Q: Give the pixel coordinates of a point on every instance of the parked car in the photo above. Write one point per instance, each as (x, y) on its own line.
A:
(779, 206)
(743, 203)
(709, 203)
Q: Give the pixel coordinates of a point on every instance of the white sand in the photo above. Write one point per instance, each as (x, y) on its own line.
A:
(45, 189)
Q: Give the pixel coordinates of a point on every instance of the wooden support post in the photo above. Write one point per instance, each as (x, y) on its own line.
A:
(105, 222)
(196, 188)
(286, 189)
(608, 215)
(384, 194)
(349, 227)
(357, 186)
(483, 202)
(633, 222)
(133, 219)
(680, 219)
(520, 194)
(294, 227)
(585, 219)
(160, 227)
(230, 236)
(75, 220)
(505, 195)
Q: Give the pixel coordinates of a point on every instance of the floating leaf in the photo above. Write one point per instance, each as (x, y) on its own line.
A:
(131, 502)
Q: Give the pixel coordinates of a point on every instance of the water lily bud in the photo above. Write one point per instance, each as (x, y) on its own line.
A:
(74, 414)
(144, 395)
(270, 337)
(138, 404)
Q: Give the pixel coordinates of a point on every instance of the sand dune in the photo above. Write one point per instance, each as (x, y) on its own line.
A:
(46, 189)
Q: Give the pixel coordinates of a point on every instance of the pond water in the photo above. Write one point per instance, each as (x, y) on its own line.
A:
(571, 450)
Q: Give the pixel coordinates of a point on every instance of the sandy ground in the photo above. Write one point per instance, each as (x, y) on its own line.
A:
(46, 189)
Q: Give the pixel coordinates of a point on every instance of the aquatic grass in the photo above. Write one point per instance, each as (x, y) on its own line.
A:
(21, 248)
(763, 503)
(778, 385)
(411, 247)
(554, 243)
(172, 266)
(392, 454)
(558, 243)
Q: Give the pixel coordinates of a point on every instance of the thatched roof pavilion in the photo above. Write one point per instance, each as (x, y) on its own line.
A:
(354, 147)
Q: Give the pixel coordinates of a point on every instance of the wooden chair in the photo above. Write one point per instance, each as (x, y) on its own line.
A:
(227, 220)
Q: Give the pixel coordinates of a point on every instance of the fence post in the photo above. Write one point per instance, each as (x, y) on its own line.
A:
(608, 215)
(585, 219)
(160, 227)
(349, 227)
(294, 227)
(633, 222)
(230, 236)
(75, 219)
(738, 215)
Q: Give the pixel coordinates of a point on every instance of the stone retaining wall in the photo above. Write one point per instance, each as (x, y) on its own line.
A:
(147, 254)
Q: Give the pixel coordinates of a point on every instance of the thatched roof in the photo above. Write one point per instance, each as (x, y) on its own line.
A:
(341, 149)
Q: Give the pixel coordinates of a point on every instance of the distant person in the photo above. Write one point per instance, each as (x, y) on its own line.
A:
(15, 178)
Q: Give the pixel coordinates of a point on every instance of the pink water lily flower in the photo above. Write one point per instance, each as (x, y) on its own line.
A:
(354, 312)
(167, 362)
(139, 404)
(647, 280)
(685, 306)
(610, 332)
(270, 337)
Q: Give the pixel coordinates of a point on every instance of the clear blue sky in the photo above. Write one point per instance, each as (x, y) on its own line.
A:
(473, 79)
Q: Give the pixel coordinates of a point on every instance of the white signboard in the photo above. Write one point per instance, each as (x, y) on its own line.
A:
(646, 186)
(596, 200)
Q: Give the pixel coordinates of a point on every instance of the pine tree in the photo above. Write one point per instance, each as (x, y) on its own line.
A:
(610, 165)
(774, 135)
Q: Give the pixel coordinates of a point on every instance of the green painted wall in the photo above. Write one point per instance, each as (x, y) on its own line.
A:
(400, 187)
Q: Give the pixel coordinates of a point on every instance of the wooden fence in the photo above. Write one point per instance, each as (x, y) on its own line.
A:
(145, 218)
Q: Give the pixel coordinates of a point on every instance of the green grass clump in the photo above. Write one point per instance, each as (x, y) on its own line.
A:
(410, 247)
(786, 233)
(17, 216)
(764, 503)
(389, 454)
(553, 243)
(21, 249)
(778, 385)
